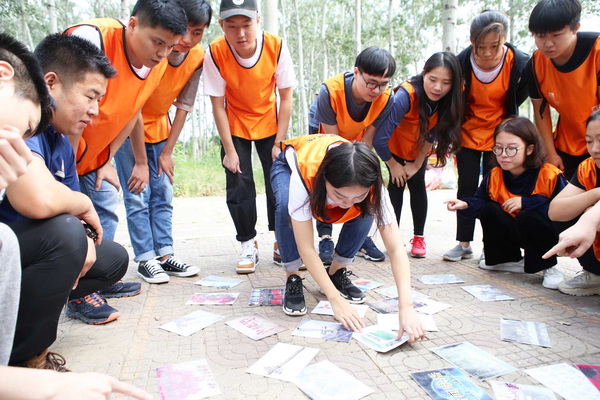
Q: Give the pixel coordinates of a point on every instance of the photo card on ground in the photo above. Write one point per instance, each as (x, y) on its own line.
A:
(191, 323)
(528, 332)
(326, 381)
(284, 361)
(192, 380)
(213, 298)
(322, 330)
(449, 383)
(256, 326)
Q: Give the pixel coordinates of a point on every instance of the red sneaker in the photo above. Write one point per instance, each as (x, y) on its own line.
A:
(418, 247)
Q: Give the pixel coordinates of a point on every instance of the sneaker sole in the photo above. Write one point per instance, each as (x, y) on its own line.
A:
(579, 292)
(448, 258)
(417, 255)
(153, 280)
(514, 270)
(294, 313)
(89, 321)
(368, 257)
(245, 270)
(119, 295)
(183, 274)
(351, 300)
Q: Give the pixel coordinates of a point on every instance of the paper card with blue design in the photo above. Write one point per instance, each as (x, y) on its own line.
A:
(449, 383)
(219, 282)
(379, 339)
(191, 323)
(439, 279)
(487, 293)
(366, 284)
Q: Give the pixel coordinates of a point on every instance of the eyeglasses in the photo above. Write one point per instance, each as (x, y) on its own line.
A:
(510, 151)
(375, 85)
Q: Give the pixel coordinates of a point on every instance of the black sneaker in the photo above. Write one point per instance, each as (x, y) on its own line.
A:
(152, 272)
(326, 251)
(174, 266)
(346, 288)
(121, 289)
(370, 252)
(293, 298)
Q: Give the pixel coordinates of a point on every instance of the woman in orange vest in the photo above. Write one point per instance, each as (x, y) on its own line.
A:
(332, 180)
(512, 204)
(493, 91)
(425, 119)
(581, 193)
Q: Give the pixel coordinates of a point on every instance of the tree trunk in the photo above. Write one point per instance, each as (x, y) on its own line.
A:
(357, 27)
(52, 27)
(390, 27)
(449, 25)
(324, 72)
(270, 13)
(25, 32)
(125, 13)
(303, 117)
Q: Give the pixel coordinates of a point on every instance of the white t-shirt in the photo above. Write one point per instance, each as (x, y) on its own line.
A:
(299, 203)
(91, 34)
(214, 84)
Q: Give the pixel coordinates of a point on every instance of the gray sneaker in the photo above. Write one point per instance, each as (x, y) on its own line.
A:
(516, 267)
(584, 284)
(457, 253)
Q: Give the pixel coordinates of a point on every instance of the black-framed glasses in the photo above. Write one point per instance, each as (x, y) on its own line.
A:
(375, 85)
(510, 151)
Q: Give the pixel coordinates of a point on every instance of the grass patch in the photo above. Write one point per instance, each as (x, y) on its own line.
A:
(206, 176)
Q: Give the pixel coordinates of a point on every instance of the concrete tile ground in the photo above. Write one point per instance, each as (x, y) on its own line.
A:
(133, 347)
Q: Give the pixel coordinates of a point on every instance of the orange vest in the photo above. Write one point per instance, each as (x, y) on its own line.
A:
(587, 176)
(250, 92)
(403, 141)
(544, 185)
(573, 94)
(155, 111)
(348, 128)
(125, 95)
(310, 151)
(486, 107)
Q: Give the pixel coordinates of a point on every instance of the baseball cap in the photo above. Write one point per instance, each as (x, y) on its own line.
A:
(230, 8)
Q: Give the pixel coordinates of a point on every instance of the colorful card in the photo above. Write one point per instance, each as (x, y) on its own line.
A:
(379, 338)
(517, 391)
(266, 297)
(392, 322)
(592, 372)
(429, 306)
(365, 284)
(449, 383)
(192, 380)
(256, 326)
(567, 381)
(391, 291)
(213, 298)
(322, 330)
(324, 308)
(284, 361)
(439, 279)
(191, 323)
(325, 381)
(487, 293)
(512, 330)
(220, 282)
(473, 360)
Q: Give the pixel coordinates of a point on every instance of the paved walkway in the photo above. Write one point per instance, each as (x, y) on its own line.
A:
(133, 347)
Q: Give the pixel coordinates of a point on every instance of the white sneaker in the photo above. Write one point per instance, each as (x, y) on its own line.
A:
(517, 267)
(552, 277)
(248, 258)
(583, 284)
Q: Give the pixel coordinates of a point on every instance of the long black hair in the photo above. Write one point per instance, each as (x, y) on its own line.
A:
(349, 164)
(450, 108)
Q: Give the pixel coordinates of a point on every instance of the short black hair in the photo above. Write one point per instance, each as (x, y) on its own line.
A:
(553, 15)
(29, 80)
(199, 12)
(376, 62)
(166, 14)
(71, 58)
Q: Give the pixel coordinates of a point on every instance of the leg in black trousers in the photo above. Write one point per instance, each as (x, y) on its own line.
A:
(264, 148)
(500, 236)
(418, 199)
(536, 236)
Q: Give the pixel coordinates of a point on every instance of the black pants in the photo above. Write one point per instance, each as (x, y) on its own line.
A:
(241, 190)
(588, 260)
(571, 163)
(505, 236)
(52, 254)
(469, 163)
(418, 197)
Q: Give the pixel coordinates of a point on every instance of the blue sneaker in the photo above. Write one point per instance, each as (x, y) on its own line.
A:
(326, 250)
(91, 309)
(121, 289)
(370, 252)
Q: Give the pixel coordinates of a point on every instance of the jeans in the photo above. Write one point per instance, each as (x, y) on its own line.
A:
(150, 213)
(352, 235)
(105, 202)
